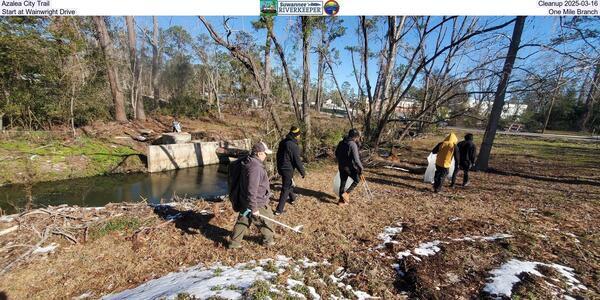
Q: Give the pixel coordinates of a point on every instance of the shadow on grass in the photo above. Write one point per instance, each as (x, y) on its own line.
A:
(545, 178)
(321, 196)
(191, 222)
(396, 183)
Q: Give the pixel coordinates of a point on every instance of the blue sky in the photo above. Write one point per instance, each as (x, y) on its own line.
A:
(537, 29)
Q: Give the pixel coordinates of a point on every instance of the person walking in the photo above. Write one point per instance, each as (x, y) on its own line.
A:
(349, 164)
(467, 151)
(446, 151)
(254, 193)
(288, 160)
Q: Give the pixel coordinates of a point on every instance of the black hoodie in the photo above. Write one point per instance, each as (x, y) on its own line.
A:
(288, 155)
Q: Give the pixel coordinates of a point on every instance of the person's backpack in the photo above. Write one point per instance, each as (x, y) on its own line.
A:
(234, 182)
(342, 152)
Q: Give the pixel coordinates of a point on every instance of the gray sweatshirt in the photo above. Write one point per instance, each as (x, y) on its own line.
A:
(255, 181)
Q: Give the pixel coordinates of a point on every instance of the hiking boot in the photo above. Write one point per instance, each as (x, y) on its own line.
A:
(234, 246)
(277, 213)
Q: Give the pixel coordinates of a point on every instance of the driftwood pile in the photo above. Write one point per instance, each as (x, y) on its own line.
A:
(41, 230)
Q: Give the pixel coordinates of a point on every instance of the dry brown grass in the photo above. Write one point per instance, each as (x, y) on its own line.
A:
(540, 215)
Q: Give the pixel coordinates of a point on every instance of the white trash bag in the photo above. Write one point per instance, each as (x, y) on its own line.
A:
(336, 183)
(430, 172)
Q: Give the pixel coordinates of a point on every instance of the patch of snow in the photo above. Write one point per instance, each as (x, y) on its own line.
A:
(230, 282)
(427, 249)
(504, 278)
(360, 295)
(387, 235)
(570, 276)
(47, 249)
(498, 236)
(85, 295)
(403, 254)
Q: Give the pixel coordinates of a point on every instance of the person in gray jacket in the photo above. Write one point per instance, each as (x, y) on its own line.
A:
(254, 184)
(349, 164)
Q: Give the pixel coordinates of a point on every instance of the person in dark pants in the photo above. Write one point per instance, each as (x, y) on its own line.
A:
(349, 164)
(467, 150)
(255, 193)
(288, 160)
(446, 151)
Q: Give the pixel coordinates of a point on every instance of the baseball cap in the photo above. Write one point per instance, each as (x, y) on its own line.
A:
(261, 147)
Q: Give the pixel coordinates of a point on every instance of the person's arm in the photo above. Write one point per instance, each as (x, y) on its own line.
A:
(472, 151)
(296, 160)
(253, 183)
(456, 156)
(356, 156)
(436, 149)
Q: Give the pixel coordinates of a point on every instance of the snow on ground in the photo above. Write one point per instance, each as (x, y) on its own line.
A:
(433, 247)
(504, 278)
(427, 249)
(387, 236)
(47, 249)
(231, 282)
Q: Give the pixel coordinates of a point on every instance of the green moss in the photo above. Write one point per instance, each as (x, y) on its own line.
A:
(33, 157)
(260, 290)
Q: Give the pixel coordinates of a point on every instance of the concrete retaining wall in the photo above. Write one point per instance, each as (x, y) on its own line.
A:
(188, 155)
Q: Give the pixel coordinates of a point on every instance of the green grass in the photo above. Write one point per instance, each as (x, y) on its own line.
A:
(115, 225)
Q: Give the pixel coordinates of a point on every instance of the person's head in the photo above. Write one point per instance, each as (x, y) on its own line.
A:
(261, 150)
(294, 131)
(353, 134)
(468, 137)
(451, 138)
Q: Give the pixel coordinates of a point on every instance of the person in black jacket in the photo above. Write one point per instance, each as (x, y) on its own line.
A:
(467, 150)
(349, 164)
(288, 160)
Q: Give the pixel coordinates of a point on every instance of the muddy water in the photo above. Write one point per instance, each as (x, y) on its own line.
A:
(205, 182)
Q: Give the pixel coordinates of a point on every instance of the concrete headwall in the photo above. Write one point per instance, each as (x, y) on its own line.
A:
(188, 155)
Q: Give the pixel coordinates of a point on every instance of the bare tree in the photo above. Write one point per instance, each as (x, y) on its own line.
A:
(136, 66)
(156, 59)
(416, 61)
(250, 63)
(286, 72)
(492, 126)
(307, 28)
(113, 76)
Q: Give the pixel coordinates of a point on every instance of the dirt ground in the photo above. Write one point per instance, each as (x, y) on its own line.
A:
(544, 194)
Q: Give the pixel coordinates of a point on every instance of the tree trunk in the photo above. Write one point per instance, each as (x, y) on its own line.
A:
(348, 114)
(113, 77)
(320, 71)
(589, 101)
(138, 112)
(155, 61)
(288, 79)
(141, 111)
(268, 62)
(490, 131)
(556, 91)
(306, 32)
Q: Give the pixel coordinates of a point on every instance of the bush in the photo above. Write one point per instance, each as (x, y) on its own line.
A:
(188, 106)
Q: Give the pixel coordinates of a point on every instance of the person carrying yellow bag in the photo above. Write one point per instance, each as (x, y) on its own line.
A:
(446, 151)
